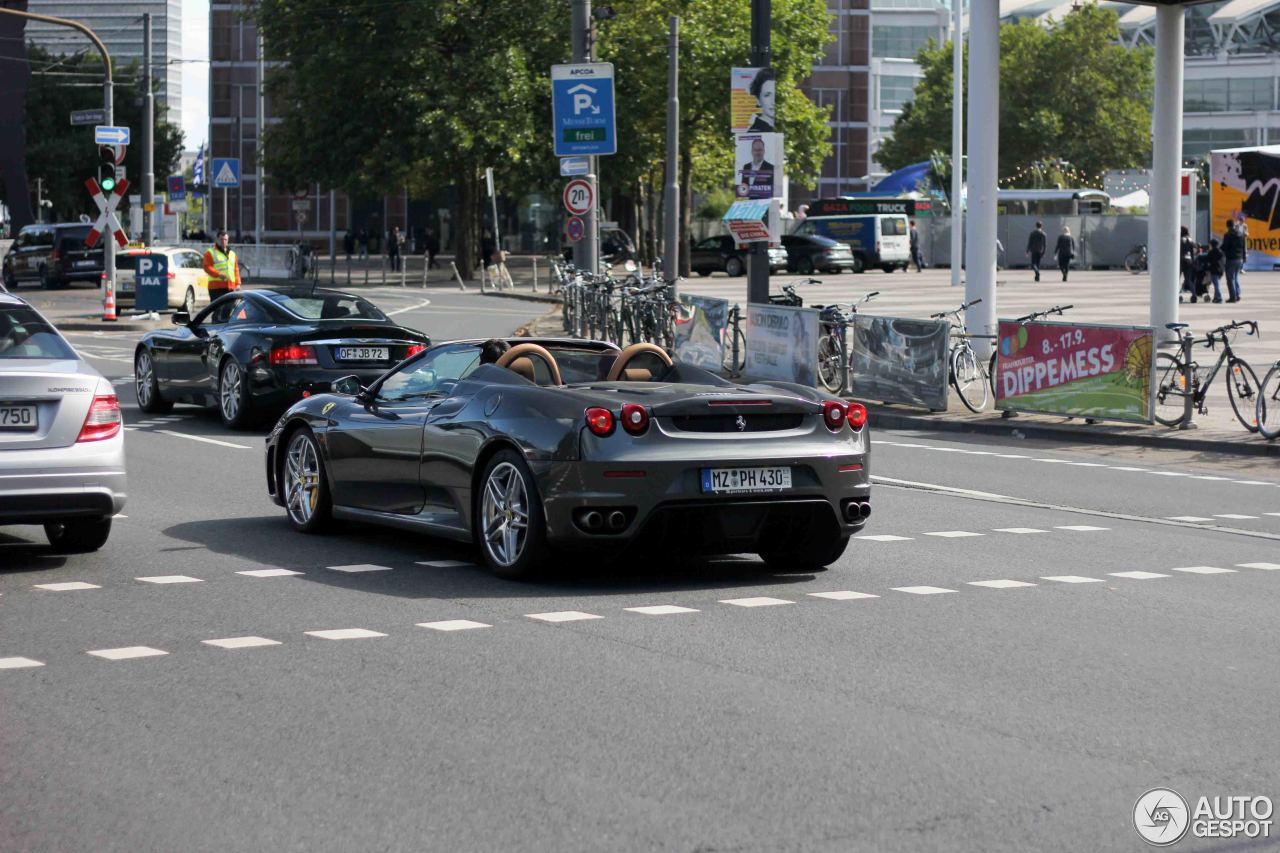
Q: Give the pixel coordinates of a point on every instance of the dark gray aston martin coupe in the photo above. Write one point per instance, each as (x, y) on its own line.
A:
(567, 444)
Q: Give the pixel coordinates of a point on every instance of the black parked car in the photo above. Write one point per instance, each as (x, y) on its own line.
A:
(54, 255)
(254, 352)
(813, 252)
(721, 254)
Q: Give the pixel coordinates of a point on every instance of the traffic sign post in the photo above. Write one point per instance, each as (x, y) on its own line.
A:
(226, 176)
(583, 123)
(572, 166)
(107, 220)
(80, 118)
(177, 187)
(151, 283)
(576, 229)
(108, 135)
(579, 196)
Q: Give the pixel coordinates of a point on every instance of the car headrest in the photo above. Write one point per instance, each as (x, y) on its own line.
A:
(637, 374)
(648, 354)
(524, 366)
(527, 352)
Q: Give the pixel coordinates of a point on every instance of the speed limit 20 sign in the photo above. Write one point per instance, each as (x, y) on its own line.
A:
(578, 197)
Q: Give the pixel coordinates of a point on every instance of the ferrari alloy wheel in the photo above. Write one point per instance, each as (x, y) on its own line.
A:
(233, 395)
(302, 483)
(147, 386)
(510, 525)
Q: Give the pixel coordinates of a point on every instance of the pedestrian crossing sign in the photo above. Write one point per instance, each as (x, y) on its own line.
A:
(226, 173)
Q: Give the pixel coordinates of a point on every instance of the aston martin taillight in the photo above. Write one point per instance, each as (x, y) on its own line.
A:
(856, 415)
(293, 354)
(103, 420)
(833, 415)
(413, 349)
(635, 418)
(600, 421)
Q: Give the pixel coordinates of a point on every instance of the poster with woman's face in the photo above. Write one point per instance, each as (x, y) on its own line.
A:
(753, 100)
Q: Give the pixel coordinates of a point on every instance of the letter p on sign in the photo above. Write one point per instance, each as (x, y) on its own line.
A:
(144, 266)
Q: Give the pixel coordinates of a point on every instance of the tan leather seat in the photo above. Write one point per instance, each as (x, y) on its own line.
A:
(650, 356)
(520, 359)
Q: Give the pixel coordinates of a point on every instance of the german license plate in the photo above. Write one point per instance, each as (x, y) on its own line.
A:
(363, 354)
(83, 264)
(17, 417)
(126, 286)
(729, 481)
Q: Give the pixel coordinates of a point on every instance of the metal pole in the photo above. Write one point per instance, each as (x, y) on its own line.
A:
(1166, 156)
(984, 139)
(333, 235)
(493, 207)
(148, 138)
(957, 141)
(586, 253)
(761, 57)
(259, 190)
(671, 237)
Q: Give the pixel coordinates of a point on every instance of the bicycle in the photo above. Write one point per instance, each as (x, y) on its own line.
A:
(1027, 318)
(1136, 261)
(1175, 375)
(1268, 406)
(966, 373)
(833, 345)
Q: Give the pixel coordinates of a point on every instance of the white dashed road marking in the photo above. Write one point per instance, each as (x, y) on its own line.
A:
(1001, 584)
(268, 573)
(18, 663)
(127, 653)
(360, 567)
(1081, 528)
(1137, 576)
(562, 616)
(1234, 516)
(67, 587)
(884, 538)
(758, 601)
(842, 595)
(1204, 570)
(1268, 567)
(241, 642)
(170, 579)
(953, 534)
(660, 610)
(1020, 530)
(921, 590)
(446, 564)
(345, 634)
(453, 625)
(1072, 579)
(202, 438)
(1187, 518)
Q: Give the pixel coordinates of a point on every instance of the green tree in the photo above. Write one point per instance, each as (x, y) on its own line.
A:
(1067, 92)
(62, 156)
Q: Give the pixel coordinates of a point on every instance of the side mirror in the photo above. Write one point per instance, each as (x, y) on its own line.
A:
(348, 385)
(181, 318)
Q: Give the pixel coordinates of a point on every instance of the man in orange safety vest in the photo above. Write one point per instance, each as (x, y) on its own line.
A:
(222, 267)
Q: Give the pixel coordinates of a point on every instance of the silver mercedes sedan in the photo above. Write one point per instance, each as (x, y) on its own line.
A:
(61, 435)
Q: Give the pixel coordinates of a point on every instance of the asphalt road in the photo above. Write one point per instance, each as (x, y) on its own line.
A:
(1026, 639)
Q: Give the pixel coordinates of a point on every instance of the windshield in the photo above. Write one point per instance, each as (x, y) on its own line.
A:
(25, 334)
(580, 365)
(326, 306)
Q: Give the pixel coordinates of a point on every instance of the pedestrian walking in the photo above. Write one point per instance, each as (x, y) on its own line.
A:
(1037, 244)
(1186, 262)
(1216, 261)
(394, 241)
(222, 267)
(433, 249)
(917, 257)
(1233, 249)
(1065, 250)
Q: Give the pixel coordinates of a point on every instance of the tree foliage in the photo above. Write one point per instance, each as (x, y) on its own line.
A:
(1069, 92)
(63, 156)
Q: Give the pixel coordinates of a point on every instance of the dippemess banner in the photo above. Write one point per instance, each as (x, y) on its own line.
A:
(1244, 185)
(1077, 370)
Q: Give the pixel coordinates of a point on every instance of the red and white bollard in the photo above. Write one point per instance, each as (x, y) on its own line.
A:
(108, 300)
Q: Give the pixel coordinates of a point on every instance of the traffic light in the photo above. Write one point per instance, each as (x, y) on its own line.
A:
(107, 162)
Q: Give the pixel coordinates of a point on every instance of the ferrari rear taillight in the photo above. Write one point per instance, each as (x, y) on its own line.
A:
(103, 420)
(600, 421)
(413, 349)
(856, 415)
(293, 354)
(833, 415)
(635, 418)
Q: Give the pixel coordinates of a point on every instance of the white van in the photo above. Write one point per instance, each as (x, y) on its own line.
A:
(876, 239)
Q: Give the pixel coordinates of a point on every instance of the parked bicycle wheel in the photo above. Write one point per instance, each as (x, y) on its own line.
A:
(830, 354)
(1268, 407)
(1171, 390)
(735, 365)
(968, 379)
(1242, 391)
(1135, 262)
(991, 372)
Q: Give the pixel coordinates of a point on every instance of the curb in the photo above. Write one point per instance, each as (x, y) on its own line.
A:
(890, 419)
(118, 326)
(525, 297)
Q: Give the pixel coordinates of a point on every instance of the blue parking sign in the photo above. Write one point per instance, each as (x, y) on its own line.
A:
(582, 109)
(151, 282)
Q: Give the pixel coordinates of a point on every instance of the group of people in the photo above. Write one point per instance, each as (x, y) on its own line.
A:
(1064, 250)
(397, 244)
(1216, 261)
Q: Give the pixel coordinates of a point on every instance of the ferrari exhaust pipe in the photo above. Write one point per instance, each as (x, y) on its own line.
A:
(617, 520)
(592, 520)
(864, 509)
